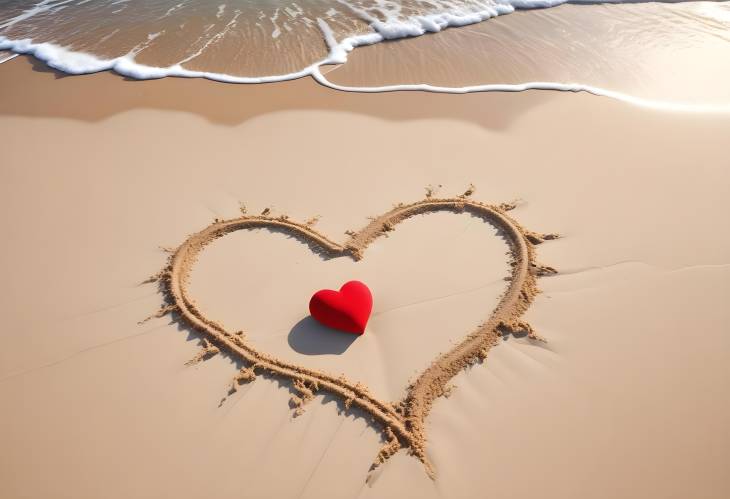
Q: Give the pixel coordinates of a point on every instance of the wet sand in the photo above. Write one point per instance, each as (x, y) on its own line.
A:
(628, 397)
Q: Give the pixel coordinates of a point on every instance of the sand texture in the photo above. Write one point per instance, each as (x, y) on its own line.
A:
(404, 421)
(628, 397)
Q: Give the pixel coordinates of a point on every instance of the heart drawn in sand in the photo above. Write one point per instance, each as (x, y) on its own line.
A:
(346, 310)
(403, 423)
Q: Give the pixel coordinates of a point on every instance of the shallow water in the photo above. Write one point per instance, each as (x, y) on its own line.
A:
(666, 52)
(236, 37)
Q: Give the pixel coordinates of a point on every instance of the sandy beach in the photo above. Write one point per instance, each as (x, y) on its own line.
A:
(104, 176)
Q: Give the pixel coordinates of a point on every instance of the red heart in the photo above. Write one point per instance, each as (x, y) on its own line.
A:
(347, 309)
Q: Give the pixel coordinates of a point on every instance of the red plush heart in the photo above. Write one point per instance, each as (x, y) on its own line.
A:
(347, 309)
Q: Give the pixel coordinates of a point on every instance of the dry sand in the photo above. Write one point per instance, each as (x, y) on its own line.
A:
(627, 398)
(403, 422)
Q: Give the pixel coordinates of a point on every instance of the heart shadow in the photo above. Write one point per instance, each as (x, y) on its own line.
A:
(309, 337)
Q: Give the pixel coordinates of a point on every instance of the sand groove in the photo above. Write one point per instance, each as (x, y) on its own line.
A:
(402, 422)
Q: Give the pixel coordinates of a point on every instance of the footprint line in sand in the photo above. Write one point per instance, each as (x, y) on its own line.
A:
(403, 423)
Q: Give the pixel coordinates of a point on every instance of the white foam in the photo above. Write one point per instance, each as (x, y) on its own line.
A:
(39, 8)
(658, 105)
(173, 9)
(74, 62)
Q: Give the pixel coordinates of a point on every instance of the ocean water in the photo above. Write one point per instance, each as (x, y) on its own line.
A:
(241, 38)
(270, 40)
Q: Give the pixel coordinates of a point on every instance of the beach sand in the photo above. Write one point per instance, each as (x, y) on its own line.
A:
(627, 397)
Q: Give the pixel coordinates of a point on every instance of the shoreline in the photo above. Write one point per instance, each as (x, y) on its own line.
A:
(54, 94)
(490, 67)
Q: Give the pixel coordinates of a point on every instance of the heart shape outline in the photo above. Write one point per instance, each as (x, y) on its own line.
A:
(403, 422)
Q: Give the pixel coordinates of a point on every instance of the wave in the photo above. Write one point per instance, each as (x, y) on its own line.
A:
(385, 20)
